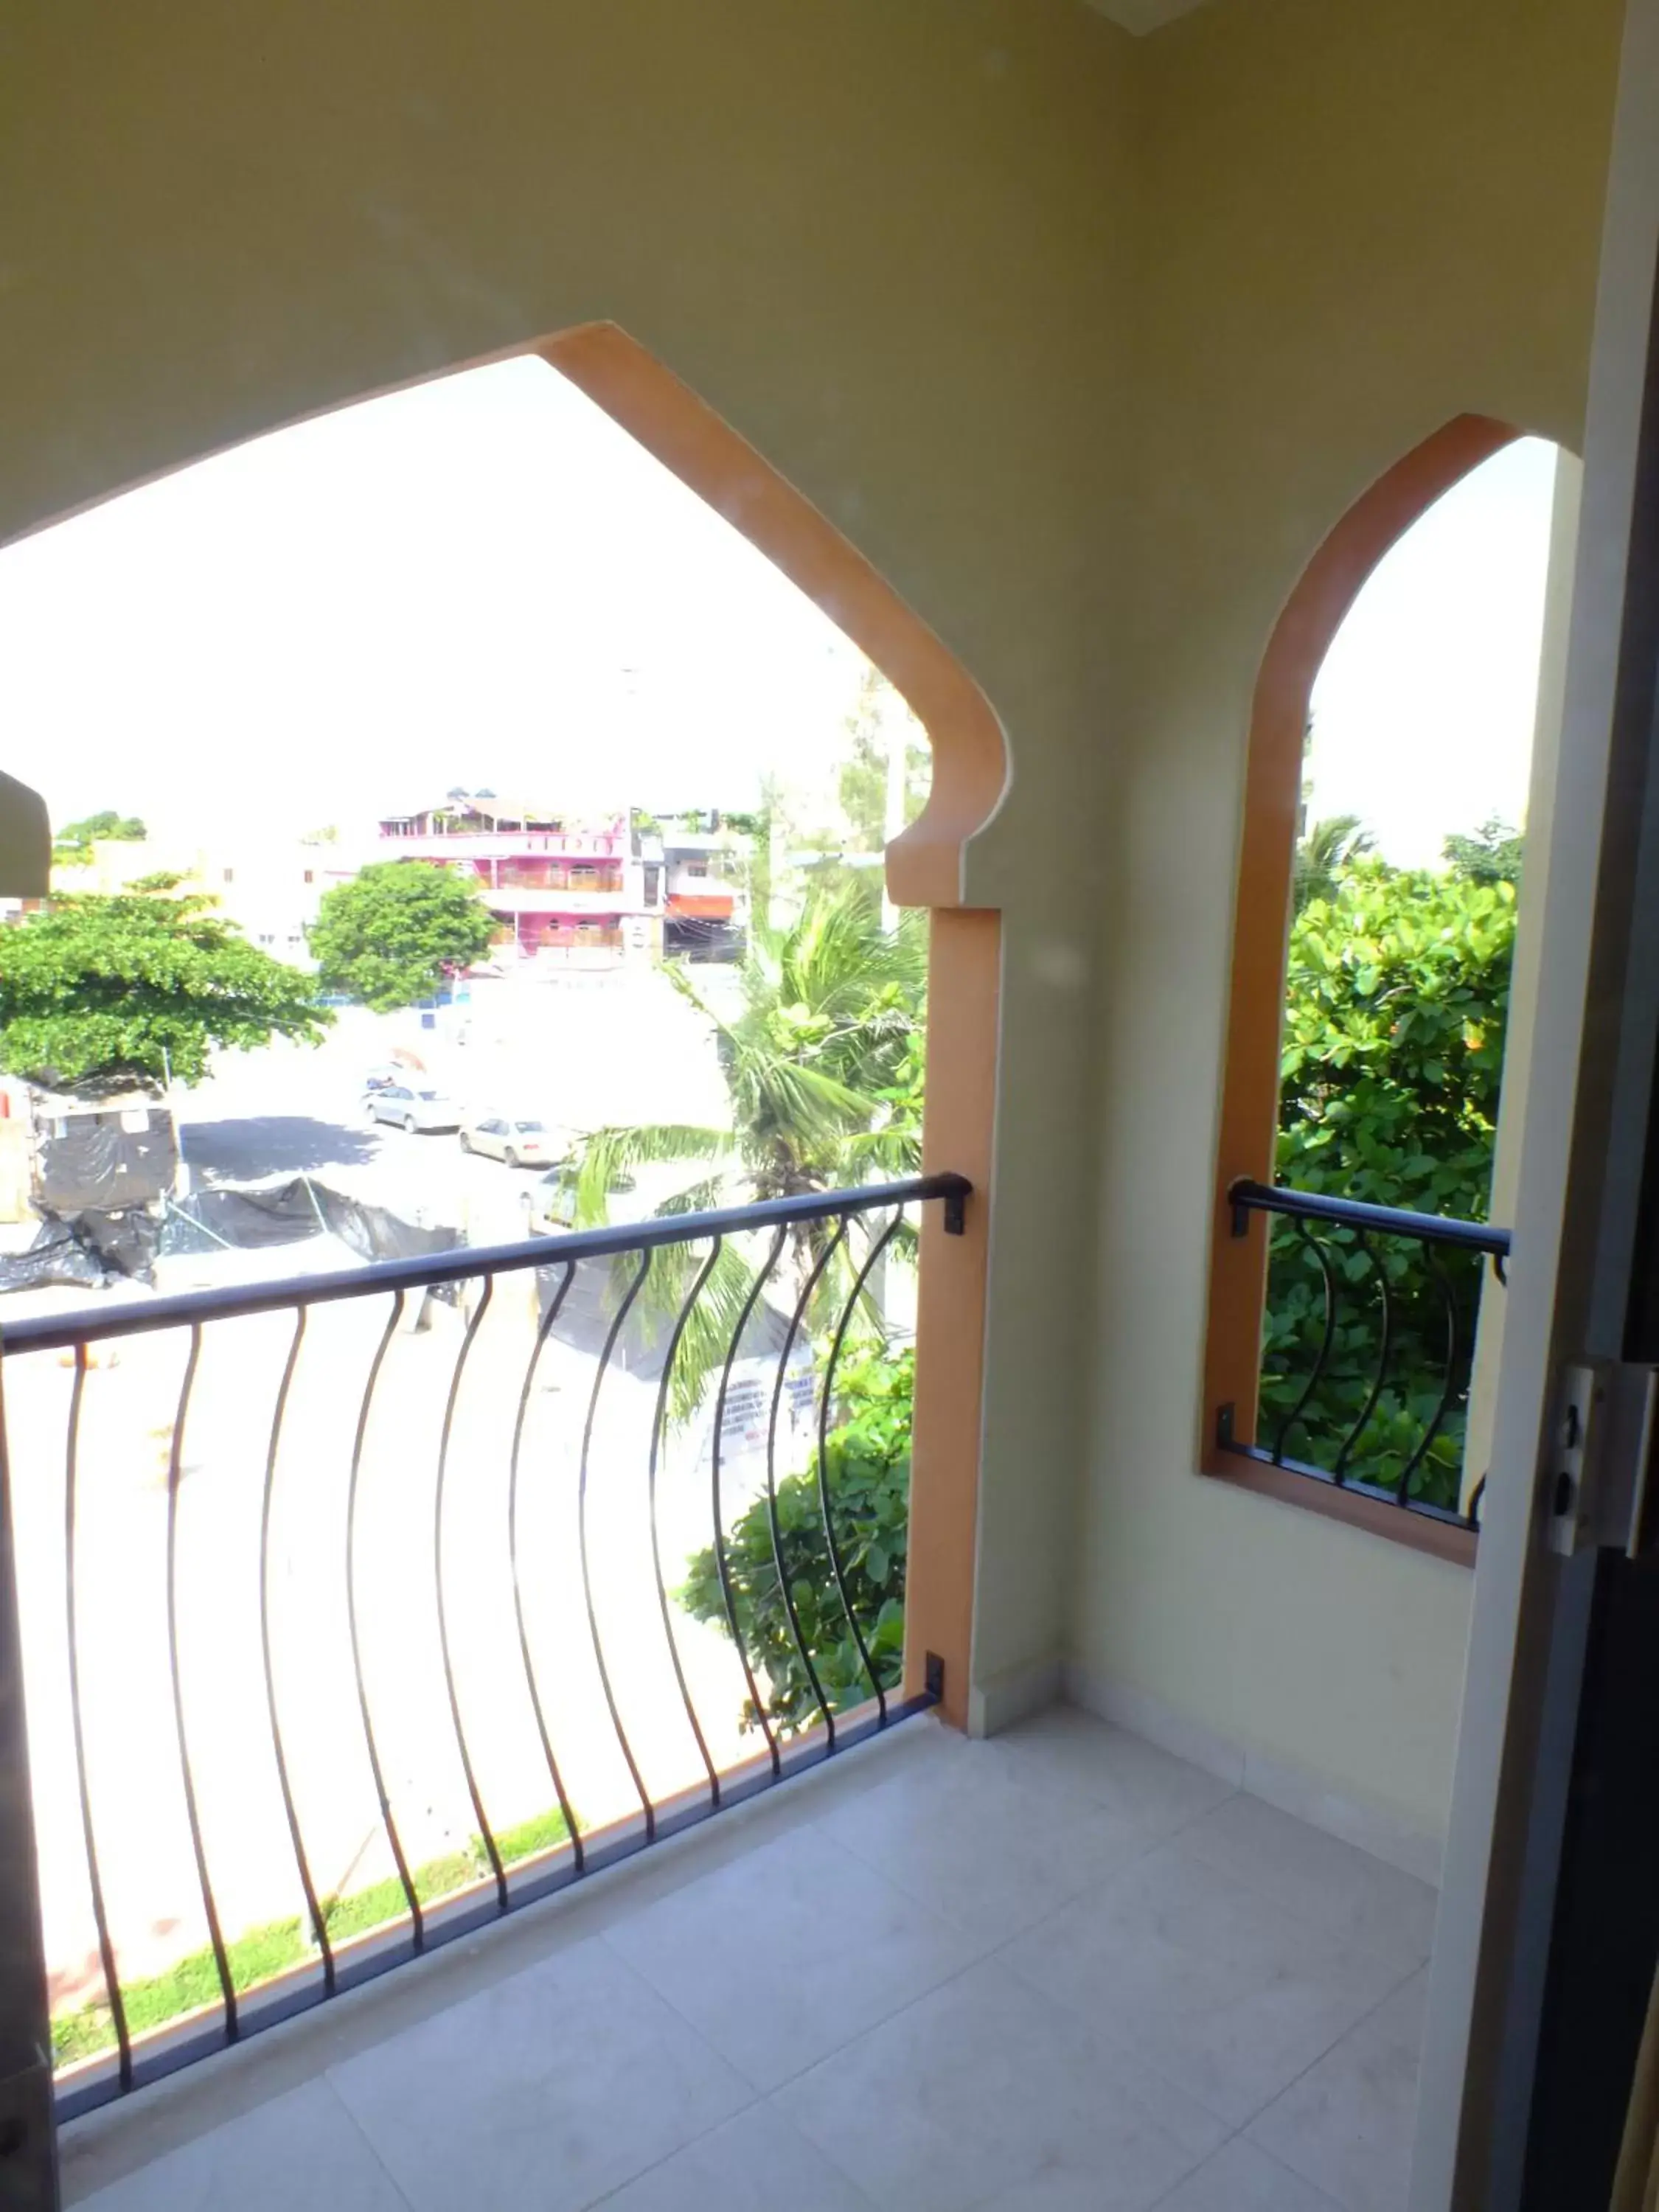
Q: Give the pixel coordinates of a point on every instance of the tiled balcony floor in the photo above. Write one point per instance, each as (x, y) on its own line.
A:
(1058, 1971)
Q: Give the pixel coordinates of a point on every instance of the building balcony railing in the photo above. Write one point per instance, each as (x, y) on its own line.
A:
(498, 844)
(1368, 1348)
(547, 898)
(362, 1608)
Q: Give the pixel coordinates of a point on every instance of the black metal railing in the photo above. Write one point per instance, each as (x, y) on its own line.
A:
(316, 1572)
(1368, 1346)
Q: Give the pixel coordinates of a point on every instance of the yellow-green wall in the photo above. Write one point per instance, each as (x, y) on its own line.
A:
(1362, 220)
(890, 240)
(1084, 341)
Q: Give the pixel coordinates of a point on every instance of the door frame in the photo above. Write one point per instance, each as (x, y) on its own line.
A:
(1581, 1169)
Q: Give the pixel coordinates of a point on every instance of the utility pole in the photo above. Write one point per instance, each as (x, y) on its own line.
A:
(898, 752)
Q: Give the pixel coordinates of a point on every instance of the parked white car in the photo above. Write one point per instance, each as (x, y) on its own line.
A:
(406, 1107)
(521, 1144)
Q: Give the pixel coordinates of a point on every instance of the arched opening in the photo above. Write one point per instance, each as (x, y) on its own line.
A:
(923, 870)
(1380, 1087)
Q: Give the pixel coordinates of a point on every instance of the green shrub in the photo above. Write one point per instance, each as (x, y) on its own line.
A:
(1393, 1055)
(867, 1472)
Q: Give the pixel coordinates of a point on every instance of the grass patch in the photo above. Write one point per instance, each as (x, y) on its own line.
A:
(539, 1835)
(252, 1958)
(269, 1950)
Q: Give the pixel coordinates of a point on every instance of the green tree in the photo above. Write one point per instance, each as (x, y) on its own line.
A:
(1323, 851)
(866, 1469)
(1490, 854)
(823, 1068)
(880, 717)
(1392, 1060)
(392, 935)
(816, 1060)
(72, 846)
(118, 826)
(100, 994)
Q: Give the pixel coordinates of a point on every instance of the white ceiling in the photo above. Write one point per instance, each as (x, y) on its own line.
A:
(1142, 16)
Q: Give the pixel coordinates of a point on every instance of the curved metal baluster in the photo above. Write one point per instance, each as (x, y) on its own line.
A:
(825, 1403)
(616, 1330)
(542, 1334)
(484, 1830)
(1477, 1499)
(175, 1468)
(301, 1315)
(659, 1427)
(788, 1595)
(1449, 1390)
(1500, 1268)
(721, 1562)
(1339, 1472)
(118, 2011)
(1313, 1382)
(393, 1840)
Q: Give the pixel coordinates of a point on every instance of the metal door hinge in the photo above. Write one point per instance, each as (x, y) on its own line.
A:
(1602, 1492)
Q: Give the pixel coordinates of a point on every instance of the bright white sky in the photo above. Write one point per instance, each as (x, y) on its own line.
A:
(481, 582)
(485, 582)
(1422, 712)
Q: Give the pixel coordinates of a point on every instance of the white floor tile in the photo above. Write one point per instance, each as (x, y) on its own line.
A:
(294, 2155)
(994, 1842)
(1313, 1876)
(783, 1957)
(1177, 1961)
(757, 2162)
(1204, 1978)
(1072, 1751)
(1347, 2124)
(1241, 2179)
(986, 2093)
(553, 2087)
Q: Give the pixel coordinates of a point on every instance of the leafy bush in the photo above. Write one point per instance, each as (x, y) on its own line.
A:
(99, 993)
(867, 1475)
(1393, 1055)
(391, 934)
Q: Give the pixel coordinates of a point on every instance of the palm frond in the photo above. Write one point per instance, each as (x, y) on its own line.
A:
(711, 1323)
(604, 1161)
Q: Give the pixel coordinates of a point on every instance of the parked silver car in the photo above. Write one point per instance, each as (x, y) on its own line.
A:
(549, 1205)
(408, 1109)
(521, 1144)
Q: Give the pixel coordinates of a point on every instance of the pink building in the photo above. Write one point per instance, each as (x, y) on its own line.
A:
(578, 893)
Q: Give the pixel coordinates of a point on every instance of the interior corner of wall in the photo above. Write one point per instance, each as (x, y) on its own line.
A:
(1012, 1696)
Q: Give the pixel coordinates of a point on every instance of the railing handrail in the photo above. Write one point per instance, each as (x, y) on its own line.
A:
(86, 1325)
(1247, 1197)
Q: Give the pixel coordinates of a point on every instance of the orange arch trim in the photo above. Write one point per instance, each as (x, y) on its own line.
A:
(925, 865)
(924, 869)
(1250, 1106)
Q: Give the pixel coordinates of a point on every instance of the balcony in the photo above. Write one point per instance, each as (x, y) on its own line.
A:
(1059, 1968)
(502, 844)
(379, 1732)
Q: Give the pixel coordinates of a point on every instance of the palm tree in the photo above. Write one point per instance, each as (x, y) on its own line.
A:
(822, 1063)
(1323, 851)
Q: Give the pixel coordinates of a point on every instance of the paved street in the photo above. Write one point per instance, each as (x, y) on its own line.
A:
(578, 1052)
